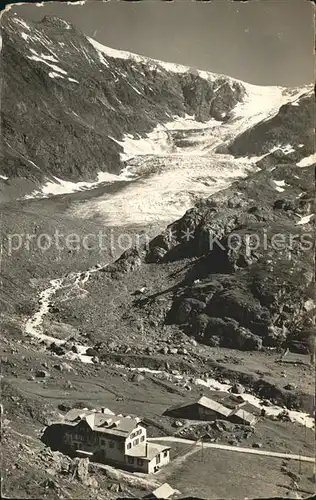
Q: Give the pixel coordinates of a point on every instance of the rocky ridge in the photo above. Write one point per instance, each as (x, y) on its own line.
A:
(249, 263)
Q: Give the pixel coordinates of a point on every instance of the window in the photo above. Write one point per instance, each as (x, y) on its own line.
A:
(136, 442)
(111, 444)
(130, 460)
(140, 461)
(102, 442)
(142, 439)
(158, 459)
(165, 454)
(129, 445)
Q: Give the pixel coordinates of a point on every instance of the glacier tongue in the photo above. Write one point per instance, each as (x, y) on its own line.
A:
(169, 169)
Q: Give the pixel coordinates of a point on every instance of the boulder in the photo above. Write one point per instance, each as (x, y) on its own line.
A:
(238, 389)
(112, 346)
(138, 377)
(187, 309)
(156, 254)
(236, 202)
(42, 374)
(64, 407)
(290, 387)
(164, 350)
(247, 341)
(193, 342)
(173, 350)
(57, 349)
(64, 367)
(182, 351)
(178, 423)
(91, 352)
(257, 445)
(283, 204)
(80, 469)
(91, 482)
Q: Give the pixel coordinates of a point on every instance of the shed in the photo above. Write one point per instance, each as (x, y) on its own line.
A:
(241, 416)
(202, 409)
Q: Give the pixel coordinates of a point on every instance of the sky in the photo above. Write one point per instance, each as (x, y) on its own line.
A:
(265, 42)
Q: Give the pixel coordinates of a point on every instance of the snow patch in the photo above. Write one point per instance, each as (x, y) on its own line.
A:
(279, 185)
(52, 74)
(73, 80)
(60, 186)
(287, 149)
(44, 56)
(20, 21)
(307, 161)
(134, 88)
(305, 220)
(53, 66)
(79, 2)
(4, 177)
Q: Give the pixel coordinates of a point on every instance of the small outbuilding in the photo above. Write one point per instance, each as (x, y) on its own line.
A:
(208, 410)
(202, 409)
(241, 416)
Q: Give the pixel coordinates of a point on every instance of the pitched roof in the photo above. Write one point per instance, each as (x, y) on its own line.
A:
(107, 423)
(206, 403)
(244, 415)
(73, 414)
(146, 451)
(214, 405)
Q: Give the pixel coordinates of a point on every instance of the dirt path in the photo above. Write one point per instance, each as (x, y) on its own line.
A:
(74, 281)
(253, 451)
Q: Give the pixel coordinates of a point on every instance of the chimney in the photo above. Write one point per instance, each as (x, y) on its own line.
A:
(146, 449)
(102, 409)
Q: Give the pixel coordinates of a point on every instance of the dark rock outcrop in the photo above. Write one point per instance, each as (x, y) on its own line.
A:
(249, 264)
(293, 125)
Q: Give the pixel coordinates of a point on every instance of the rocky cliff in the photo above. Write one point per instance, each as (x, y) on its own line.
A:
(66, 102)
(247, 275)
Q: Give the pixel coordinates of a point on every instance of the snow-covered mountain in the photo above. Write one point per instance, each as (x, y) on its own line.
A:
(76, 114)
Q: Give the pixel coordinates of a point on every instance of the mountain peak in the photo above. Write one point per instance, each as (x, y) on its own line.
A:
(55, 21)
